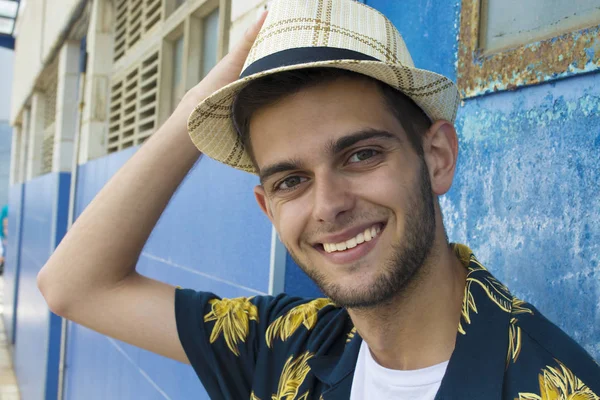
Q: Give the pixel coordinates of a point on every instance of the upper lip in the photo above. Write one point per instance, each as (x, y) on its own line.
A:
(347, 234)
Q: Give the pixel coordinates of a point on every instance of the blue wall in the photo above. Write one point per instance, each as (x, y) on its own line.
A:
(212, 237)
(37, 334)
(13, 255)
(526, 197)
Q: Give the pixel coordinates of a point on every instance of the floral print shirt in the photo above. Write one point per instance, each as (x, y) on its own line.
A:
(287, 348)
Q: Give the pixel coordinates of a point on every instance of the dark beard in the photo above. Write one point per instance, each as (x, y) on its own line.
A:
(404, 268)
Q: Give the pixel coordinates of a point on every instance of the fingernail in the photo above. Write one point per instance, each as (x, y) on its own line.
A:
(263, 9)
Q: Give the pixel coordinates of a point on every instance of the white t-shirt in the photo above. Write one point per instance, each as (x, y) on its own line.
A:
(372, 381)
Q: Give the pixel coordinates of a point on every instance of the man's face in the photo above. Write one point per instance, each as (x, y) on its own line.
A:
(348, 195)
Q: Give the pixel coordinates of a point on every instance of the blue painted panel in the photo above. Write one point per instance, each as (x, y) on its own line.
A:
(297, 283)
(37, 337)
(11, 265)
(212, 237)
(525, 197)
(429, 28)
(212, 225)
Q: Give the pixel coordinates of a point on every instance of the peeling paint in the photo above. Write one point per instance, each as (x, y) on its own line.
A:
(525, 197)
(566, 55)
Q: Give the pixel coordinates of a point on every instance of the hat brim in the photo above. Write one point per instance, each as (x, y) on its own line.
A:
(211, 127)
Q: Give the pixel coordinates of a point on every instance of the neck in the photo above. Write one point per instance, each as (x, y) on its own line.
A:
(418, 328)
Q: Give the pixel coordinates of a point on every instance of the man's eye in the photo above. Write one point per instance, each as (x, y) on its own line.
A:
(362, 155)
(290, 182)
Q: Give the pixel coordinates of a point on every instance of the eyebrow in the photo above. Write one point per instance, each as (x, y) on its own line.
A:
(283, 166)
(344, 142)
(333, 148)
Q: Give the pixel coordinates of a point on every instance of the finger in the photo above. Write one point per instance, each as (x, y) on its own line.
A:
(250, 36)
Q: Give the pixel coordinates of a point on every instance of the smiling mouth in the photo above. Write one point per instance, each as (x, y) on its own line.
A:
(365, 236)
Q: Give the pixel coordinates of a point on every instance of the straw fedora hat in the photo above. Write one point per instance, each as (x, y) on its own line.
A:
(298, 34)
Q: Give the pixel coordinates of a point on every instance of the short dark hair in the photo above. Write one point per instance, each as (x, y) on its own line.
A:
(269, 89)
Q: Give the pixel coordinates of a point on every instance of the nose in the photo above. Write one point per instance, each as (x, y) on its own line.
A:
(331, 197)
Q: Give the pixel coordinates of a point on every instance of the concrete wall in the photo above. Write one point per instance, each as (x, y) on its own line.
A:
(39, 27)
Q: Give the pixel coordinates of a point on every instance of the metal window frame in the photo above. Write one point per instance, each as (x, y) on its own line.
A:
(546, 60)
(7, 40)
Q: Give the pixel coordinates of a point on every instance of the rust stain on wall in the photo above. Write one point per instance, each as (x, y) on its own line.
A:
(565, 55)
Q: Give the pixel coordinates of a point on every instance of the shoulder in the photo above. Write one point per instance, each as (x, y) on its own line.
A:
(533, 337)
(279, 316)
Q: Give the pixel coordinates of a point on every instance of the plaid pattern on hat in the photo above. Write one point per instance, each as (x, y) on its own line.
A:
(299, 34)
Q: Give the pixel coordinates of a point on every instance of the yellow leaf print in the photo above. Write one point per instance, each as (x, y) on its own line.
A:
(496, 292)
(560, 384)
(232, 318)
(463, 253)
(351, 335)
(514, 331)
(293, 375)
(518, 307)
(253, 396)
(514, 342)
(304, 314)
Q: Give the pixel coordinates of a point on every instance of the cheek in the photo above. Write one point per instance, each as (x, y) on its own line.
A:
(383, 188)
(290, 220)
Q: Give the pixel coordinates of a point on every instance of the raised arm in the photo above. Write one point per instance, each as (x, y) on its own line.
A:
(91, 277)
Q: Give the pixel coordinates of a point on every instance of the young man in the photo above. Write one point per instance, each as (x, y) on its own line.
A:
(352, 146)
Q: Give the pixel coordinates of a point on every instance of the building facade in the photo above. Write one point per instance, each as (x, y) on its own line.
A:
(93, 79)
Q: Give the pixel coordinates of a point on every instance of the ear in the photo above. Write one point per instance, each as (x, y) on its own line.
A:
(440, 146)
(263, 203)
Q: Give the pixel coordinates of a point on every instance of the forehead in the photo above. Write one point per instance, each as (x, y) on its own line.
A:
(301, 125)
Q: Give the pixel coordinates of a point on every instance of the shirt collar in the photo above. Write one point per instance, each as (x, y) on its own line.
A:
(477, 365)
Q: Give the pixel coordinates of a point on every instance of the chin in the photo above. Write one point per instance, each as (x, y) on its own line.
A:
(356, 290)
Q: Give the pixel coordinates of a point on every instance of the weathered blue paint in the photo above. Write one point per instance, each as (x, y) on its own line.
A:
(212, 237)
(526, 197)
(429, 29)
(37, 335)
(12, 262)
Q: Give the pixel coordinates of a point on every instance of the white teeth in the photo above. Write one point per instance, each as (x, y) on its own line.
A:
(362, 237)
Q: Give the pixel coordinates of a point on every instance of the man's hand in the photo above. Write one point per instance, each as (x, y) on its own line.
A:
(226, 71)
(91, 277)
